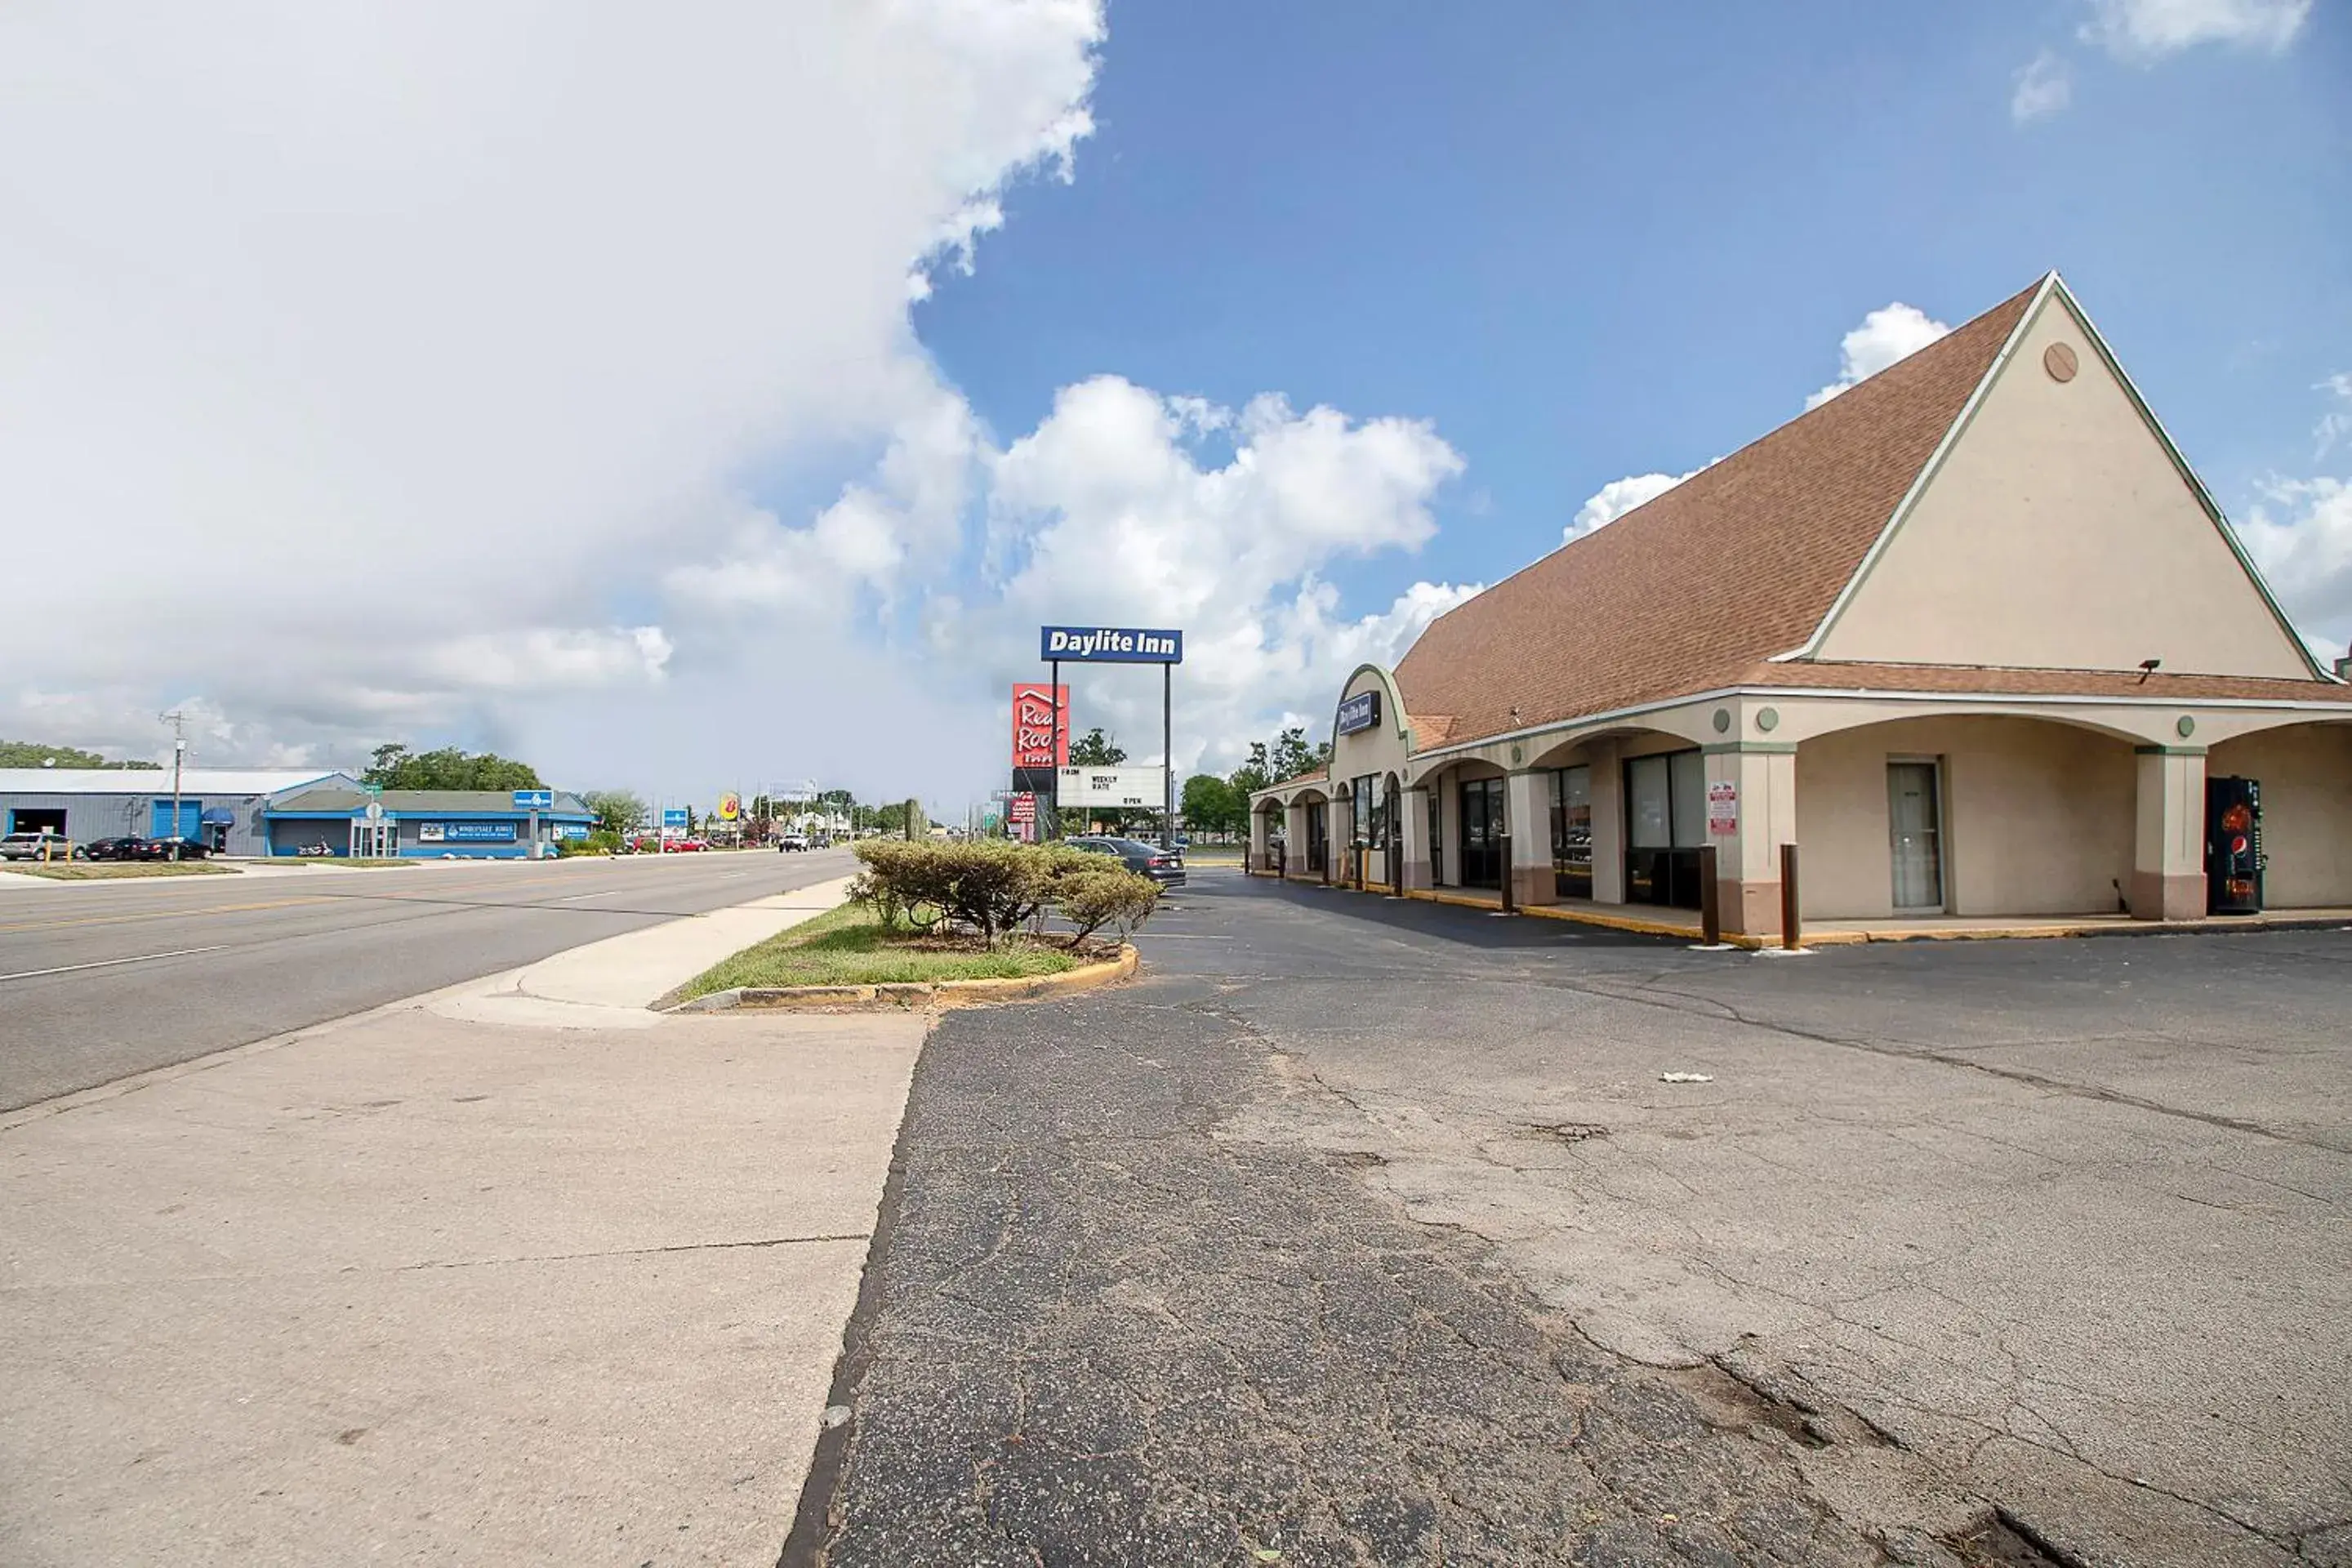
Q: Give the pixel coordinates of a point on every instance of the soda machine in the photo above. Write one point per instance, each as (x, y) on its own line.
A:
(2233, 846)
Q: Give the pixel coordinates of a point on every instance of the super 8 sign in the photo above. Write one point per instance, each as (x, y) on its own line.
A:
(1035, 741)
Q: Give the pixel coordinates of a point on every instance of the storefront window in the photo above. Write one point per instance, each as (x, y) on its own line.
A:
(1372, 814)
(1665, 823)
(1649, 817)
(1571, 832)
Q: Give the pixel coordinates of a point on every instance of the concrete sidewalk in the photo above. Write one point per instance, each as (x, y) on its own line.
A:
(421, 1287)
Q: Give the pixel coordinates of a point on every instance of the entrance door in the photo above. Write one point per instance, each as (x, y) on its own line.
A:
(1318, 838)
(1911, 820)
(1482, 833)
(1436, 834)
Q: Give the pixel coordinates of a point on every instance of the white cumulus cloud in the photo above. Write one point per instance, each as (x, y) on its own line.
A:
(2147, 30)
(1615, 498)
(370, 369)
(2044, 86)
(1124, 507)
(1892, 332)
(2300, 534)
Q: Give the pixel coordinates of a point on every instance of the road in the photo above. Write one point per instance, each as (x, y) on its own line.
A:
(100, 981)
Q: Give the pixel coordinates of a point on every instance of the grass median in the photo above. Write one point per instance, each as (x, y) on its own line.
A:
(117, 870)
(849, 946)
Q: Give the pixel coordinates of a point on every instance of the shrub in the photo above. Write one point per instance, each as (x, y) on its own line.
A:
(992, 887)
(1111, 896)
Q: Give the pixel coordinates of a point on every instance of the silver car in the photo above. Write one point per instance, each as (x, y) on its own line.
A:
(41, 845)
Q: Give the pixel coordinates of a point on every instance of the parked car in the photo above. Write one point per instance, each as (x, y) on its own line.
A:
(170, 849)
(790, 841)
(123, 847)
(38, 844)
(1163, 867)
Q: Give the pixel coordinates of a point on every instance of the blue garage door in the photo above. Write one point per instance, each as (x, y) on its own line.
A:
(192, 812)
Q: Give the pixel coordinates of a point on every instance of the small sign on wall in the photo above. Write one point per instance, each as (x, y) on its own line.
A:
(1722, 810)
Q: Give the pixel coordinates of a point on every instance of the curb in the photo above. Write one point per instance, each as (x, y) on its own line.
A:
(898, 997)
(1990, 932)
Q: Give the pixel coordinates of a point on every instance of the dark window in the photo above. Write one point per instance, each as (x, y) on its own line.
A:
(38, 819)
(1665, 824)
(1482, 833)
(1571, 832)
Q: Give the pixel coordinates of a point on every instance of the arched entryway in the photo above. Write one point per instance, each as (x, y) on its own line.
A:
(1967, 815)
(2303, 777)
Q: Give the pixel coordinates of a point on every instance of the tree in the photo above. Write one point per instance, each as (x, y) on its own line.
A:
(1210, 805)
(33, 754)
(1253, 775)
(398, 767)
(1293, 756)
(1096, 749)
(616, 811)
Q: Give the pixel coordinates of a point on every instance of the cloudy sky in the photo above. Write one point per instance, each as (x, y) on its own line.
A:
(721, 394)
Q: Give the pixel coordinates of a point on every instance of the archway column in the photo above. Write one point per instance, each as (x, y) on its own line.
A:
(1294, 841)
(1752, 790)
(1413, 824)
(1526, 813)
(1261, 848)
(2168, 845)
(1608, 784)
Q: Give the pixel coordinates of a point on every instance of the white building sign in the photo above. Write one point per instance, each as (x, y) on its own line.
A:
(1127, 789)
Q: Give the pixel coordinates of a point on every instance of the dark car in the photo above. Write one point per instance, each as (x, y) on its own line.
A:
(168, 850)
(123, 847)
(1164, 866)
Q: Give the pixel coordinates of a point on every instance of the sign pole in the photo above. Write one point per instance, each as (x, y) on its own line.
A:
(1054, 751)
(1168, 757)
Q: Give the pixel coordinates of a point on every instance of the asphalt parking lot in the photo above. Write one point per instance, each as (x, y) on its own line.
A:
(1367, 1231)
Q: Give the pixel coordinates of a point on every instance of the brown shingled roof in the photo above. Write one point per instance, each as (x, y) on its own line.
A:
(1736, 563)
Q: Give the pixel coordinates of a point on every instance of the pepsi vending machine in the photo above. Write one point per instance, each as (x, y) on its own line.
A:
(2233, 846)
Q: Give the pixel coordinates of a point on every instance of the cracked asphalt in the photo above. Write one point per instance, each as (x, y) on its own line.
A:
(1366, 1232)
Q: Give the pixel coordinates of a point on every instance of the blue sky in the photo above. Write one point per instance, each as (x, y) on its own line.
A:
(1590, 240)
(604, 385)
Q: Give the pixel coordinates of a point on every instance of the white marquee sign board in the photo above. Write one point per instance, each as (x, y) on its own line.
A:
(1123, 789)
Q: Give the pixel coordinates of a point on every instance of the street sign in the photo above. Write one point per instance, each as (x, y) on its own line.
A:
(674, 817)
(1110, 644)
(534, 800)
(374, 791)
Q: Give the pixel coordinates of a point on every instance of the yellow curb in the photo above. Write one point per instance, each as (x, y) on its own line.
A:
(1634, 923)
(901, 995)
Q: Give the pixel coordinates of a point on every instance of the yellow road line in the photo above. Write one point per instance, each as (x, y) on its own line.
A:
(158, 914)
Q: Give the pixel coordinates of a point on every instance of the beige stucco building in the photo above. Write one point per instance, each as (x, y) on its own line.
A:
(1972, 636)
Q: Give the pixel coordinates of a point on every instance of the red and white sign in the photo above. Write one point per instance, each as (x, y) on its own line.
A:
(1021, 812)
(1722, 810)
(1037, 740)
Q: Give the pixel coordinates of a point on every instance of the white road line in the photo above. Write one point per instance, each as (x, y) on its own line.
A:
(110, 963)
(577, 897)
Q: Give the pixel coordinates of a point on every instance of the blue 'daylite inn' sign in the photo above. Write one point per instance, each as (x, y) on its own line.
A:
(1110, 644)
(1361, 712)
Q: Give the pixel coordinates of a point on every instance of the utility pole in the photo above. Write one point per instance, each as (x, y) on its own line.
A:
(178, 720)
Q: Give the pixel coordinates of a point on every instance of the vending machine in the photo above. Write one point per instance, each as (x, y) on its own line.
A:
(2233, 846)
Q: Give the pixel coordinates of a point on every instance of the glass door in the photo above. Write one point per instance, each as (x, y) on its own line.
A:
(1912, 831)
(1436, 788)
(1318, 837)
(1482, 833)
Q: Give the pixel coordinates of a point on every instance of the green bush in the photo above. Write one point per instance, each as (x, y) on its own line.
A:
(599, 842)
(1097, 896)
(993, 887)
